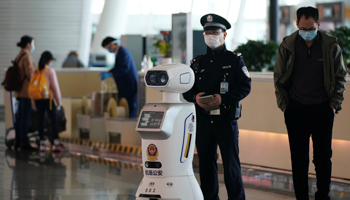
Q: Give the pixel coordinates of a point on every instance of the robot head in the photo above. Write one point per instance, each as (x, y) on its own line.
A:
(174, 78)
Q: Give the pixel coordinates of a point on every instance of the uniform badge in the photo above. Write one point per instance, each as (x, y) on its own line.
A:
(209, 18)
(226, 67)
(152, 152)
(245, 71)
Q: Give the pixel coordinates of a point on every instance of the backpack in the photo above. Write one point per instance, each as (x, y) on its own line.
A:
(37, 88)
(13, 81)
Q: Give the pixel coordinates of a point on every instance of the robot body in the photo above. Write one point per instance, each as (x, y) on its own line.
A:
(168, 131)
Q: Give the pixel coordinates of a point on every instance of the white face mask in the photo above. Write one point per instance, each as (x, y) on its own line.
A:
(213, 41)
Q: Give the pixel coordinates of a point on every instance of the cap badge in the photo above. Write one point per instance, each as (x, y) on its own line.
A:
(209, 18)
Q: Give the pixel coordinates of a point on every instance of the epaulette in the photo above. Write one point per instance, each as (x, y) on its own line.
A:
(195, 63)
(237, 55)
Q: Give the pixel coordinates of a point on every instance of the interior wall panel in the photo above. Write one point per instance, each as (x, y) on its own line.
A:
(55, 25)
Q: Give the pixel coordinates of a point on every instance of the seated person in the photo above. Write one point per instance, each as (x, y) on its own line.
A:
(72, 61)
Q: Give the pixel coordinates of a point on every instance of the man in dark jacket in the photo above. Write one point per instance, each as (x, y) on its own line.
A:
(124, 73)
(224, 76)
(310, 81)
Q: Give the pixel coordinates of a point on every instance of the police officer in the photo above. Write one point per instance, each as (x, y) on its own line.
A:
(124, 73)
(223, 75)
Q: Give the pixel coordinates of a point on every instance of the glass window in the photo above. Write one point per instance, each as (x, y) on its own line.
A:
(255, 9)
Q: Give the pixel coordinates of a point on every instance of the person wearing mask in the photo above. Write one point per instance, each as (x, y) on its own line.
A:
(24, 108)
(222, 74)
(72, 61)
(124, 73)
(309, 78)
(47, 104)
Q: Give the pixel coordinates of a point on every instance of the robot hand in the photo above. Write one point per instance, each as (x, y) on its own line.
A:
(105, 75)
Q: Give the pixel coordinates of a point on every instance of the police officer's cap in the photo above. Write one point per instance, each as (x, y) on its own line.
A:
(213, 22)
(107, 40)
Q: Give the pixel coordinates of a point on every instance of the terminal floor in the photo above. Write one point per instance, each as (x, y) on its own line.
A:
(81, 173)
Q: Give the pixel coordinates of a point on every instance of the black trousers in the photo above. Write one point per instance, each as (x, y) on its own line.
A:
(209, 136)
(303, 121)
(42, 106)
(22, 119)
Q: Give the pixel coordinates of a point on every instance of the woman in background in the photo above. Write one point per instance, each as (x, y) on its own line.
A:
(48, 105)
(26, 70)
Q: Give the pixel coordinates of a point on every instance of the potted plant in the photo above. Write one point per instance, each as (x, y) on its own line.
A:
(163, 46)
(258, 55)
(343, 35)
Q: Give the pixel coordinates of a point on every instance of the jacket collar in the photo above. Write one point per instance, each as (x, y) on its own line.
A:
(24, 51)
(289, 41)
(218, 51)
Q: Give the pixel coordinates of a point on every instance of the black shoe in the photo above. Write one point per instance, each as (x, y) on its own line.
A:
(26, 146)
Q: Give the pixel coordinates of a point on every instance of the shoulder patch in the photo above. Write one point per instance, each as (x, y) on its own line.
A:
(245, 71)
(237, 54)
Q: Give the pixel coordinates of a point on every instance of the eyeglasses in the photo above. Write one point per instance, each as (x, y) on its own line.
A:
(308, 30)
(212, 32)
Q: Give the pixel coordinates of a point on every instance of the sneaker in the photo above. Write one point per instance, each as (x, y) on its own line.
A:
(42, 147)
(57, 157)
(57, 146)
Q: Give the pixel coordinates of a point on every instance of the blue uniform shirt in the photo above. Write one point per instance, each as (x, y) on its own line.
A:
(215, 67)
(126, 77)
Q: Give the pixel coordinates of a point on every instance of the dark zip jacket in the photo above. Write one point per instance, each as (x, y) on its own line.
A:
(334, 70)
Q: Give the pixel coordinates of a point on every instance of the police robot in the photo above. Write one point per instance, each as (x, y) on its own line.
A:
(168, 131)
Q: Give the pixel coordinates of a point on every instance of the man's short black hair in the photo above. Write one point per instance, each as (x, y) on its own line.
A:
(107, 40)
(348, 66)
(307, 12)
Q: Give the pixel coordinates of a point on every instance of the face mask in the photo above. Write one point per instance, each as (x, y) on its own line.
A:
(32, 49)
(111, 51)
(51, 64)
(213, 41)
(308, 35)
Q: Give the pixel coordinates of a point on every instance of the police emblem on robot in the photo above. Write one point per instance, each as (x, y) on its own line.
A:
(152, 152)
(152, 155)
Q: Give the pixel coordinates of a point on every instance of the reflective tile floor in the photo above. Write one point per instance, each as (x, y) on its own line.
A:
(83, 174)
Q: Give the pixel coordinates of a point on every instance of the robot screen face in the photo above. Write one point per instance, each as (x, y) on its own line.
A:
(157, 78)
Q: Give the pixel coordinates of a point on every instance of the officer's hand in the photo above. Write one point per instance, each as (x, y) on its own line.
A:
(105, 75)
(202, 105)
(216, 101)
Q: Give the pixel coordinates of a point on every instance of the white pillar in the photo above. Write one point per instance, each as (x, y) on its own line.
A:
(85, 40)
(238, 36)
(112, 23)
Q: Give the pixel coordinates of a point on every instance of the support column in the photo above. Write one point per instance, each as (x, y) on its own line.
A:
(238, 36)
(112, 23)
(273, 19)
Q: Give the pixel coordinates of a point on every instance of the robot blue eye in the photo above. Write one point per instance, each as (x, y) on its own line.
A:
(153, 78)
(163, 78)
(157, 78)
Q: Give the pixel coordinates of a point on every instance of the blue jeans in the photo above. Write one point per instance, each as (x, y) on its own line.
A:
(43, 106)
(24, 110)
